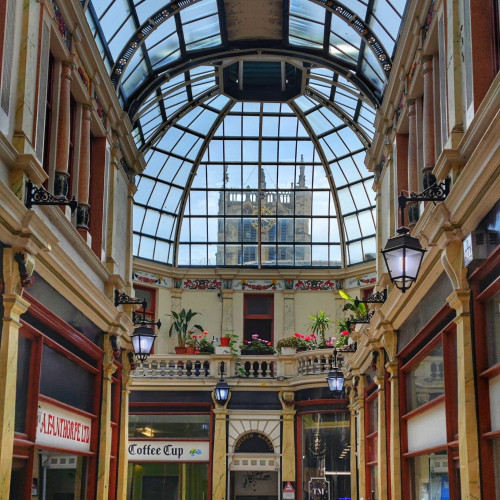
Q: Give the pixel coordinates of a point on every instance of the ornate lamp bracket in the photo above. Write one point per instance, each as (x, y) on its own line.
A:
(40, 196)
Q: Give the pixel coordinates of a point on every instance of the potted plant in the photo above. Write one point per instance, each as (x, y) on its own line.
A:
(287, 345)
(347, 324)
(199, 344)
(256, 346)
(180, 325)
(320, 323)
(306, 342)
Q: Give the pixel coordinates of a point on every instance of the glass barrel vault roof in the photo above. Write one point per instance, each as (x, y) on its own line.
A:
(237, 181)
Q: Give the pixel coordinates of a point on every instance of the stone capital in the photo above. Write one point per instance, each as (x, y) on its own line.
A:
(460, 301)
(392, 368)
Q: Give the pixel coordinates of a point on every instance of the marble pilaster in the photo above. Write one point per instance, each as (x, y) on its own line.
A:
(105, 424)
(428, 121)
(468, 444)
(359, 407)
(63, 130)
(219, 456)
(121, 484)
(382, 487)
(395, 433)
(288, 437)
(227, 310)
(82, 216)
(289, 311)
(13, 306)
(412, 160)
(354, 458)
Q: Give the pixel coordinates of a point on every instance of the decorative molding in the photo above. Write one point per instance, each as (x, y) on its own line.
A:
(146, 278)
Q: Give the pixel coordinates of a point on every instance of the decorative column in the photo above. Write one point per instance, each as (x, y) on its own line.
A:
(354, 451)
(82, 214)
(289, 311)
(468, 432)
(412, 160)
(401, 160)
(13, 307)
(428, 121)
(105, 423)
(63, 130)
(382, 489)
(288, 436)
(227, 311)
(219, 455)
(392, 368)
(122, 476)
(359, 407)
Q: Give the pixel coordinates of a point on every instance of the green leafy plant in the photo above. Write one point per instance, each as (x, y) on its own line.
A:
(320, 324)
(292, 342)
(346, 325)
(180, 325)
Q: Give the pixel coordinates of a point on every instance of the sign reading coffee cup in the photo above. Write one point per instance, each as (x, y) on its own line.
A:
(62, 428)
(168, 451)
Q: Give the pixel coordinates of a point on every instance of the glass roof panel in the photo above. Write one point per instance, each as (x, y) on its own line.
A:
(262, 173)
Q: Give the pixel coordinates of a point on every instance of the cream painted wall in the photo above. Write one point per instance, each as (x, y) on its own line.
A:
(210, 308)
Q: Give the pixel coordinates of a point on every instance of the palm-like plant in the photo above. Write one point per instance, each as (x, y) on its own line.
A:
(320, 323)
(180, 325)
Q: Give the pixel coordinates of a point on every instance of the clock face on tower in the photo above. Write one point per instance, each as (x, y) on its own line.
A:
(266, 224)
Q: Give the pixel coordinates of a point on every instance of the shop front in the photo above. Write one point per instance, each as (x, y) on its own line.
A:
(169, 457)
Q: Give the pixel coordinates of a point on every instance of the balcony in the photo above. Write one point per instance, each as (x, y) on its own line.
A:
(295, 369)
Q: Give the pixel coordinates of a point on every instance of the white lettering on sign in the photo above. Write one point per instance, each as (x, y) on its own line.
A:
(168, 451)
(62, 428)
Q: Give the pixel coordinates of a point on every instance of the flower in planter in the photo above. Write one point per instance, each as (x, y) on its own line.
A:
(201, 344)
(258, 345)
(306, 342)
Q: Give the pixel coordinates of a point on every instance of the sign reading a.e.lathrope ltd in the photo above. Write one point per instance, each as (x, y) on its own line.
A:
(168, 451)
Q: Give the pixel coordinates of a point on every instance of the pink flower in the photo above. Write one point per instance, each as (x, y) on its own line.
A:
(344, 332)
(255, 336)
(205, 333)
(308, 338)
(313, 336)
(297, 335)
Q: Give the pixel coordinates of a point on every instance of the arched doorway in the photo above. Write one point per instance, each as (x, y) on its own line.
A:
(254, 468)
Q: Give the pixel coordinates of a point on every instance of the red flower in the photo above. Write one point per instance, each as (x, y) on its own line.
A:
(269, 343)
(297, 335)
(308, 338)
(193, 336)
(344, 332)
(200, 336)
(205, 333)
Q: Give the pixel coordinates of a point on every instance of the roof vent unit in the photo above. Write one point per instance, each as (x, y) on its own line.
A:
(268, 81)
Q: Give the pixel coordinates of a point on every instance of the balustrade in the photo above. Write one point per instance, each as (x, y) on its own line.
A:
(192, 366)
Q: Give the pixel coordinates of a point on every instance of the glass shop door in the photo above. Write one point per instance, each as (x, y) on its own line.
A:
(254, 485)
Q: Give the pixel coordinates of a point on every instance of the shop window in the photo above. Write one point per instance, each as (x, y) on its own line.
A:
(168, 481)
(425, 381)
(64, 380)
(258, 316)
(61, 476)
(493, 330)
(149, 295)
(429, 478)
(169, 426)
(325, 451)
(22, 385)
